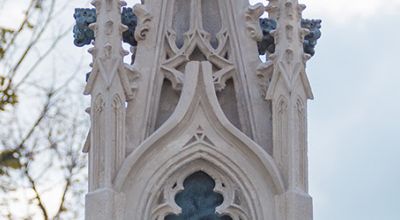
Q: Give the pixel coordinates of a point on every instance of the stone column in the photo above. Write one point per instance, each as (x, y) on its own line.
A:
(109, 89)
(289, 91)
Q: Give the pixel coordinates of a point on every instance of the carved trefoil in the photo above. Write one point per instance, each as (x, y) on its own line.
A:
(198, 126)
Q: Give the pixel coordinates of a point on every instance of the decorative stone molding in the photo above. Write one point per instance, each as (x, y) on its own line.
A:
(289, 90)
(83, 35)
(232, 205)
(129, 19)
(253, 14)
(85, 25)
(108, 68)
(311, 30)
(176, 159)
(197, 40)
(267, 42)
(198, 105)
(264, 73)
(312, 35)
(143, 20)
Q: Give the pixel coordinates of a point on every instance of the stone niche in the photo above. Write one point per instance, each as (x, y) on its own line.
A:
(198, 163)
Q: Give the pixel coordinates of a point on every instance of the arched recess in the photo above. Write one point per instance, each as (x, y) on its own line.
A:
(198, 137)
(237, 192)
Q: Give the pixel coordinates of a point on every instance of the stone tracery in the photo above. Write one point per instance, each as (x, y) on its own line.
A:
(151, 160)
(199, 191)
(198, 199)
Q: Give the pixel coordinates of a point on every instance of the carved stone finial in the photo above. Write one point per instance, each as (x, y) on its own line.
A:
(83, 35)
(129, 19)
(267, 44)
(85, 19)
(143, 20)
(253, 14)
(310, 40)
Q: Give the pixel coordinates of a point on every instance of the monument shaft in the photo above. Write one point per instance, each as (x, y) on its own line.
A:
(198, 126)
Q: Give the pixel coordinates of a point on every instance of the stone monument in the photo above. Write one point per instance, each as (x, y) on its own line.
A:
(198, 126)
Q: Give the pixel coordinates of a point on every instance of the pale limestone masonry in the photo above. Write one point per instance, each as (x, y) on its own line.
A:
(198, 98)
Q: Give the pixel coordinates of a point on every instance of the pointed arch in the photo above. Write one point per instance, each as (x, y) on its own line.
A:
(160, 156)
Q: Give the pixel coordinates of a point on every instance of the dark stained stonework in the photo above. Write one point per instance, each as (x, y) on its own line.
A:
(129, 19)
(267, 44)
(83, 35)
(198, 199)
(310, 40)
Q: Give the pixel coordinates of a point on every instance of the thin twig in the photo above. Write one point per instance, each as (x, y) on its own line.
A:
(37, 194)
(42, 58)
(21, 27)
(33, 42)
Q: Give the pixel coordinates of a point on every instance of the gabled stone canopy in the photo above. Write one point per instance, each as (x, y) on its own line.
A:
(197, 99)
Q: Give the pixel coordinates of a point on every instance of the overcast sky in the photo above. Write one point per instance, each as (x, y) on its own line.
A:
(354, 122)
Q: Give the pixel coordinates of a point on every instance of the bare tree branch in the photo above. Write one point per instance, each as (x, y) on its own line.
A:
(43, 57)
(21, 26)
(37, 194)
(33, 42)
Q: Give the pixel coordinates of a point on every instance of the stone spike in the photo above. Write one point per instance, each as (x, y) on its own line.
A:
(123, 28)
(272, 57)
(92, 51)
(301, 7)
(306, 57)
(274, 33)
(93, 26)
(124, 52)
(304, 32)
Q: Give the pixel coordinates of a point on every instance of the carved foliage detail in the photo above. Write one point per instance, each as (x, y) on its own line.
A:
(85, 22)
(252, 15)
(264, 74)
(311, 28)
(143, 21)
(267, 42)
(83, 35)
(130, 20)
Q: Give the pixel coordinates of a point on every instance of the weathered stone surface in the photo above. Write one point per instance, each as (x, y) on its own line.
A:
(198, 125)
(84, 17)
(268, 26)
